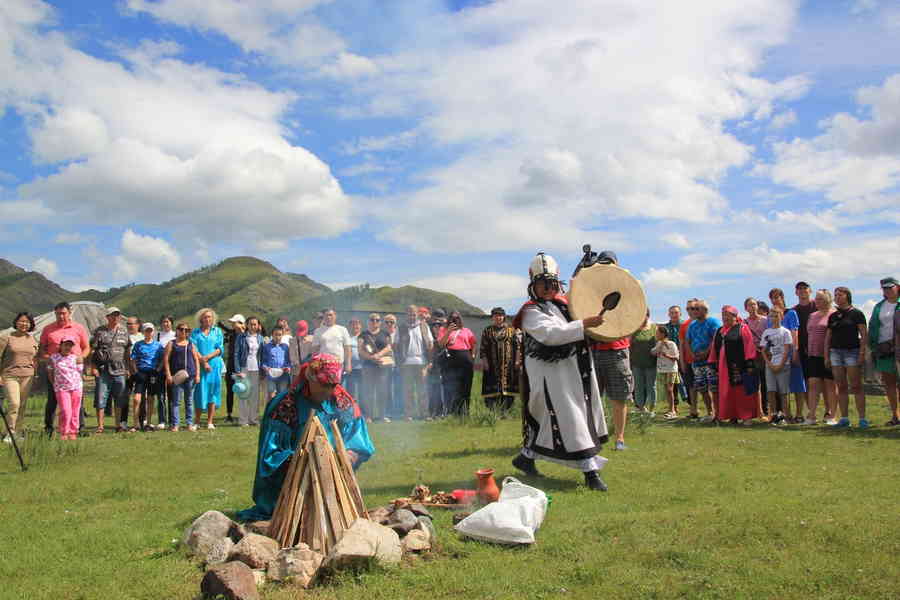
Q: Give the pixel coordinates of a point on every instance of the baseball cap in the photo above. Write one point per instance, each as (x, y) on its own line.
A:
(147, 326)
(801, 284)
(497, 310)
(112, 310)
(66, 340)
(889, 282)
(438, 313)
(238, 318)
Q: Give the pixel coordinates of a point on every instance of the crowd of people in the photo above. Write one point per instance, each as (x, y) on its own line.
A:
(169, 377)
(770, 362)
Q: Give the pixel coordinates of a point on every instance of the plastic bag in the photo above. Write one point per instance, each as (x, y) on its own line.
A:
(512, 519)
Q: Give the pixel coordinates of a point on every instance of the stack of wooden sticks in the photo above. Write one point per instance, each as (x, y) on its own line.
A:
(320, 497)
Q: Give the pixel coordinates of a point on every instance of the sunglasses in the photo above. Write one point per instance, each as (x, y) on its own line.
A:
(375, 320)
(183, 329)
(389, 321)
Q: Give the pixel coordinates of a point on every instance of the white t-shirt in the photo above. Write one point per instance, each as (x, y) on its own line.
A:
(252, 349)
(774, 341)
(664, 364)
(415, 353)
(164, 337)
(331, 340)
(886, 316)
(135, 337)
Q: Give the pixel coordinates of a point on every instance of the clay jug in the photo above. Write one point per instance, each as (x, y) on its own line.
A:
(487, 488)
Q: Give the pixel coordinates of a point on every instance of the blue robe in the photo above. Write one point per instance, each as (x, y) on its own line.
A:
(282, 426)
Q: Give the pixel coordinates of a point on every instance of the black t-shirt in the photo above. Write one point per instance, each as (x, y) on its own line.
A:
(803, 313)
(844, 331)
(373, 342)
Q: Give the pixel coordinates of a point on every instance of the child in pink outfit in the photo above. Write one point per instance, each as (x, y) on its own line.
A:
(65, 368)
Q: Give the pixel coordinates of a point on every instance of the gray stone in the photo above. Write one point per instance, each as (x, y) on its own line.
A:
(416, 541)
(206, 531)
(403, 521)
(299, 564)
(256, 551)
(362, 542)
(219, 553)
(427, 526)
(419, 510)
(233, 580)
(381, 514)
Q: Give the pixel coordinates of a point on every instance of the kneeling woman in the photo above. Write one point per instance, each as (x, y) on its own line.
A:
(316, 387)
(563, 412)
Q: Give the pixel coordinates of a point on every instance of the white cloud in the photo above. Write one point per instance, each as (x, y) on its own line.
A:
(145, 256)
(783, 119)
(676, 239)
(23, 211)
(554, 130)
(397, 141)
(482, 289)
(855, 161)
(167, 143)
(271, 245)
(287, 31)
(667, 279)
(46, 267)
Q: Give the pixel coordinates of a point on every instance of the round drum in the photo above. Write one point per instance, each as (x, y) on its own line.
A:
(592, 284)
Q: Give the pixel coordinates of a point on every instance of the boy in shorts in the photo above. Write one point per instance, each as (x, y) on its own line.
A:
(776, 344)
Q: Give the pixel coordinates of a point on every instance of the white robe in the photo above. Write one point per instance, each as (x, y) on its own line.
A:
(557, 393)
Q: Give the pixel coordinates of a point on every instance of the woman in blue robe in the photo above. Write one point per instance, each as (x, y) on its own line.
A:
(316, 388)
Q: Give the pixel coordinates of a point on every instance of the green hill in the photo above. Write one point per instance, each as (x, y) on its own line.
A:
(26, 290)
(241, 284)
(381, 299)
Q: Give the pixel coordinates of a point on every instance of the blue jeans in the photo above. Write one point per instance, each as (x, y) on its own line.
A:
(186, 389)
(110, 390)
(644, 387)
(277, 385)
(352, 381)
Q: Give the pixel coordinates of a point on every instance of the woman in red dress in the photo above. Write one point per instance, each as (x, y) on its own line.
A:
(732, 354)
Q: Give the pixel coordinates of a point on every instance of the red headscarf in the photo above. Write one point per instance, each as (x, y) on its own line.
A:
(302, 329)
(326, 370)
(732, 310)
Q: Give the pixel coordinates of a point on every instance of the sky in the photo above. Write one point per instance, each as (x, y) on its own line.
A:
(719, 148)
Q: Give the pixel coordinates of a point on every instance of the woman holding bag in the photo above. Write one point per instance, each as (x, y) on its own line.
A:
(181, 364)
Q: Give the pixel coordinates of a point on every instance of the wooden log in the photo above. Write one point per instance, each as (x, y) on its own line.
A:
(347, 469)
(324, 457)
(348, 508)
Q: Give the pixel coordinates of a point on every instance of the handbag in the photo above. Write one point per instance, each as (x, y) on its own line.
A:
(182, 375)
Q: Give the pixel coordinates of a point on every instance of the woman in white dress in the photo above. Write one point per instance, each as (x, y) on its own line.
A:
(563, 412)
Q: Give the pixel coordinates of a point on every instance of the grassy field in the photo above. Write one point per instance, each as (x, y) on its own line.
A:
(693, 511)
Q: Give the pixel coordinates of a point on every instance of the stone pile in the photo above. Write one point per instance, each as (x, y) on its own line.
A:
(240, 558)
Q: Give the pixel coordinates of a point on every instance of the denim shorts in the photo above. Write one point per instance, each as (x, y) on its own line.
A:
(841, 357)
(705, 376)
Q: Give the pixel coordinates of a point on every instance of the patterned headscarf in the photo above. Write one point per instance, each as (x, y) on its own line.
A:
(326, 369)
(732, 310)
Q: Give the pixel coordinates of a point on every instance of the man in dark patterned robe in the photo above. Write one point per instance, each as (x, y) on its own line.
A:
(501, 356)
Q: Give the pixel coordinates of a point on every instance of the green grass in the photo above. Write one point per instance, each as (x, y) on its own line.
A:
(693, 511)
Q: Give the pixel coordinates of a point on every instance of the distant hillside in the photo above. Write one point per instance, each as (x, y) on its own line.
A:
(26, 290)
(240, 284)
(380, 299)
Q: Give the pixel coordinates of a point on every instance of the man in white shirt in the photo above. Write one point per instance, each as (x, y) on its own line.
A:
(412, 349)
(333, 339)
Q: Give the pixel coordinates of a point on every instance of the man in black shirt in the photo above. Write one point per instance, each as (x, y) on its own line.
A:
(376, 352)
(804, 308)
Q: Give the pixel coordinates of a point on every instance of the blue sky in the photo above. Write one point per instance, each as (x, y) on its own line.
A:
(721, 148)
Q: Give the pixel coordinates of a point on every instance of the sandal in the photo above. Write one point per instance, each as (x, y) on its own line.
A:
(132, 430)
(98, 431)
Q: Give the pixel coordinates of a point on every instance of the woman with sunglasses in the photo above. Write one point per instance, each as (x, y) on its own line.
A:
(181, 364)
(377, 354)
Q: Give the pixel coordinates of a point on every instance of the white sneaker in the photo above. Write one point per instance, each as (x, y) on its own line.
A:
(831, 421)
(192, 427)
(706, 419)
(161, 426)
(210, 426)
(809, 421)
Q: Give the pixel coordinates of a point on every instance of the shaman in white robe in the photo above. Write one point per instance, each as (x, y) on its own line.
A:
(563, 413)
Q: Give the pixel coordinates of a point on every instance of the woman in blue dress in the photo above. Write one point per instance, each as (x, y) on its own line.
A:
(316, 387)
(209, 342)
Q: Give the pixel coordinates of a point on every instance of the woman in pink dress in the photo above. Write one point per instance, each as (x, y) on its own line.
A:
(732, 352)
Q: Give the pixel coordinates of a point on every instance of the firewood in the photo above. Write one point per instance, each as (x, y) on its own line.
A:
(347, 468)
